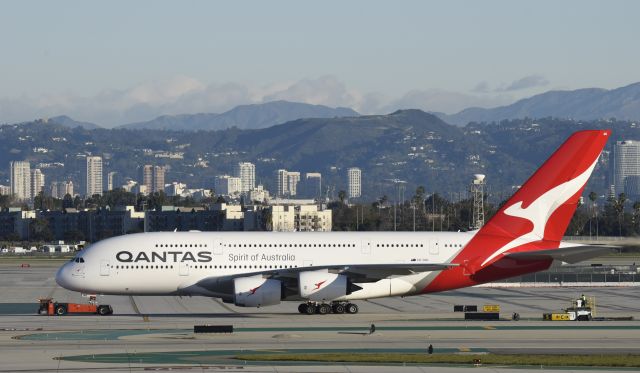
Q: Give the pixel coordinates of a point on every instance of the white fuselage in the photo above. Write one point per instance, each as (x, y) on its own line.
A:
(165, 263)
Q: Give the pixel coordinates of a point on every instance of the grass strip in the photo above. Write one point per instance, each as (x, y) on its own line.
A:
(614, 360)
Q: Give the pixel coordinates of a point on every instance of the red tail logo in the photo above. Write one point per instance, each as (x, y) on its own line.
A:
(540, 210)
(319, 284)
(253, 291)
(534, 218)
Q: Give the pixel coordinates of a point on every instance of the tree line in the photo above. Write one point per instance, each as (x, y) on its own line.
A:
(618, 216)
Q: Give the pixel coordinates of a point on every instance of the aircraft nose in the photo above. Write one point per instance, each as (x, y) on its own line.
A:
(63, 277)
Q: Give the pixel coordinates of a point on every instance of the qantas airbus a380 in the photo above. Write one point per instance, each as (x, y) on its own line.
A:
(326, 271)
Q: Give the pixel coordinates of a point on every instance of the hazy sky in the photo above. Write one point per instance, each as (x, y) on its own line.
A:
(120, 61)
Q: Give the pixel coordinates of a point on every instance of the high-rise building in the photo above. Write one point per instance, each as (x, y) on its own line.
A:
(37, 182)
(354, 176)
(227, 185)
(626, 162)
(158, 178)
(282, 183)
(21, 179)
(147, 176)
(111, 176)
(311, 185)
(94, 175)
(5, 190)
(153, 178)
(61, 188)
(287, 183)
(246, 171)
(632, 187)
(293, 180)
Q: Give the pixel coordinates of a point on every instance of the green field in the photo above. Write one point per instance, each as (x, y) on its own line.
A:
(627, 361)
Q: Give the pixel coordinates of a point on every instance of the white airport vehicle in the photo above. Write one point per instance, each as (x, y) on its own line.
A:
(327, 271)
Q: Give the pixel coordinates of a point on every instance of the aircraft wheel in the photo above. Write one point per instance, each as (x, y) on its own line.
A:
(338, 308)
(103, 310)
(302, 308)
(352, 308)
(311, 309)
(324, 309)
(61, 310)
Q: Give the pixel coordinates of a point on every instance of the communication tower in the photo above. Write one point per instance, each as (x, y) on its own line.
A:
(477, 190)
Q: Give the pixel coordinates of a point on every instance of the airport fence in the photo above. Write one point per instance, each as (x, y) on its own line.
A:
(582, 274)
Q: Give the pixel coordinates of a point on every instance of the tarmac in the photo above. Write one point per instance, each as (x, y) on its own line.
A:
(156, 333)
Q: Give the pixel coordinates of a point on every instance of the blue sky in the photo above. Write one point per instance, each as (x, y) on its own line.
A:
(120, 61)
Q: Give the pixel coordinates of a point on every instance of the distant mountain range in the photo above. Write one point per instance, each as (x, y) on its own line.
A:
(243, 117)
(71, 123)
(407, 145)
(581, 104)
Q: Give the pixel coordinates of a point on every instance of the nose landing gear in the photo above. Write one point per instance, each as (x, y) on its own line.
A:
(310, 308)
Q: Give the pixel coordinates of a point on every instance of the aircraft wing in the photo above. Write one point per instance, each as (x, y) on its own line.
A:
(569, 253)
(357, 273)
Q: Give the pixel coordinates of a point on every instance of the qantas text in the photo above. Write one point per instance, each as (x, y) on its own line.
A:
(164, 256)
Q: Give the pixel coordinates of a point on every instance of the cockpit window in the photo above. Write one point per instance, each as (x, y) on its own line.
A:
(78, 260)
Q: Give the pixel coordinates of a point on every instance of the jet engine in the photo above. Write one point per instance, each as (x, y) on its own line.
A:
(256, 291)
(322, 286)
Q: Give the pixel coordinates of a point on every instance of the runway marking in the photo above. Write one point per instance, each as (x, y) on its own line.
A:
(114, 334)
(385, 306)
(145, 318)
(224, 305)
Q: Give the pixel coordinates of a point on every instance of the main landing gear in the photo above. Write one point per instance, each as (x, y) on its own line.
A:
(310, 308)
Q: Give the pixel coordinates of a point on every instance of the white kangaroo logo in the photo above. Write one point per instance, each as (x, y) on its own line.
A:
(540, 210)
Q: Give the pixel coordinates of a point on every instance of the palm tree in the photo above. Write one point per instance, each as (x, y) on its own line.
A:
(342, 195)
(593, 197)
(636, 213)
(618, 205)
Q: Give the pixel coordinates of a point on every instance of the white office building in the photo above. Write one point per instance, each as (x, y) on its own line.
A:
(20, 179)
(94, 175)
(258, 194)
(175, 189)
(246, 171)
(111, 176)
(5, 190)
(37, 182)
(61, 188)
(626, 162)
(293, 179)
(354, 176)
(228, 185)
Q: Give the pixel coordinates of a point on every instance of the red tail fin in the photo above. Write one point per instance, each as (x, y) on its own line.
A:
(534, 218)
(538, 214)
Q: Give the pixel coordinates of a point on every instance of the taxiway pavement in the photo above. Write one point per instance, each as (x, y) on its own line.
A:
(147, 325)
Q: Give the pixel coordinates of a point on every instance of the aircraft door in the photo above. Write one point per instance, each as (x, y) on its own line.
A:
(434, 247)
(366, 246)
(104, 268)
(183, 268)
(217, 247)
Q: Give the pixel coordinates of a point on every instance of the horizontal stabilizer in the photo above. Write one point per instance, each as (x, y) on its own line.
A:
(568, 253)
